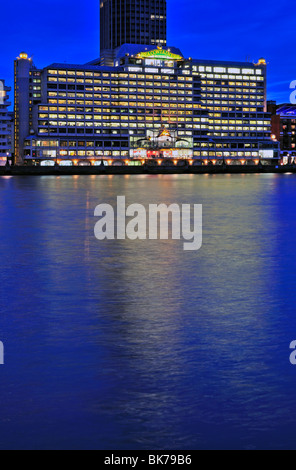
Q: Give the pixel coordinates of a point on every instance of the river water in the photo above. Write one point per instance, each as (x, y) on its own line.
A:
(133, 345)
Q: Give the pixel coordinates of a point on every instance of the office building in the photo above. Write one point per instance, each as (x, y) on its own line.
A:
(143, 101)
(283, 119)
(153, 103)
(130, 22)
(5, 124)
(11, 131)
(27, 95)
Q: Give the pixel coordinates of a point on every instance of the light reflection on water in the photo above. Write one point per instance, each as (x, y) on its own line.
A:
(140, 345)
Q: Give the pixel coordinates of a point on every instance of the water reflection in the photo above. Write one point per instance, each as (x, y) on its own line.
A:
(140, 344)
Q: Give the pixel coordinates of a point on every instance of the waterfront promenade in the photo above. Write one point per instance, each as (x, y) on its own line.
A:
(144, 170)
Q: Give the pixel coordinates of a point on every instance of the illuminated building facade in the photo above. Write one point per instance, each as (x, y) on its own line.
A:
(141, 100)
(283, 119)
(27, 95)
(152, 104)
(5, 124)
(10, 126)
(131, 22)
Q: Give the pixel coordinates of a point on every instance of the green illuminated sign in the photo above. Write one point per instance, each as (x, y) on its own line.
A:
(159, 54)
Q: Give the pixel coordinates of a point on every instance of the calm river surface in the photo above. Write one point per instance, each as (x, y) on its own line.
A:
(137, 344)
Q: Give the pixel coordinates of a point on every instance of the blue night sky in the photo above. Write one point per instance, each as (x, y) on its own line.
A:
(68, 31)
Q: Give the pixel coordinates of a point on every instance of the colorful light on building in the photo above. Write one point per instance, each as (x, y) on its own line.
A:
(159, 54)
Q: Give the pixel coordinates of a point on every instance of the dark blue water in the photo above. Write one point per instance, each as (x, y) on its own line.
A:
(140, 345)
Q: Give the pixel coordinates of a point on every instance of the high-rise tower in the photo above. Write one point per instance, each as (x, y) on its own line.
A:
(27, 93)
(5, 124)
(131, 22)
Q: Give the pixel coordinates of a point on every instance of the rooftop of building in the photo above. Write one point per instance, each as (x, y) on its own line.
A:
(286, 109)
(88, 67)
(227, 63)
(135, 49)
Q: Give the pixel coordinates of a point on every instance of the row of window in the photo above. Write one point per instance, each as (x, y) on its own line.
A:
(80, 115)
(107, 143)
(118, 103)
(118, 76)
(226, 110)
(69, 130)
(189, 122)
(119, 84)
(109, 130)
(230, 77)
(226, 154)
(230, 70)
(134, 91)
(86, 110)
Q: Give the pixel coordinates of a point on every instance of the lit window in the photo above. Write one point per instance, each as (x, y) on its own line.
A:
(234, 71)
(219, 70)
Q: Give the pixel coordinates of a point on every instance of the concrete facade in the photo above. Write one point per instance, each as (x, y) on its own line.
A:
(153, 104)
(5, 124)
